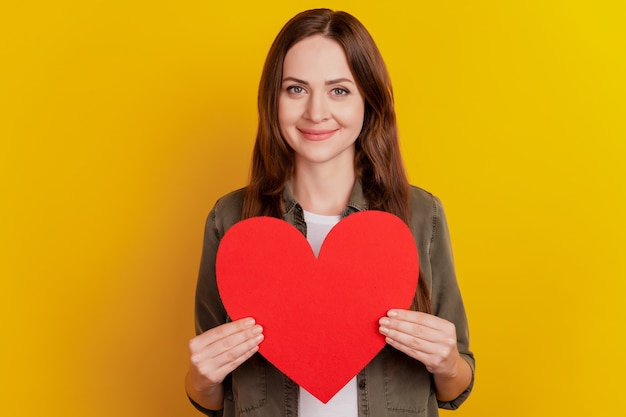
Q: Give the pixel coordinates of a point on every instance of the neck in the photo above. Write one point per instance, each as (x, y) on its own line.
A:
(323, 191)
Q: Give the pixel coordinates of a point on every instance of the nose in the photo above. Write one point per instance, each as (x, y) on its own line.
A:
(317, 108)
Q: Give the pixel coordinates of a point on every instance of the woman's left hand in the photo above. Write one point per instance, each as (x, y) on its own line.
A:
(425, 337)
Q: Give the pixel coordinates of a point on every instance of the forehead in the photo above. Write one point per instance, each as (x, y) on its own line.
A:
(316, 56)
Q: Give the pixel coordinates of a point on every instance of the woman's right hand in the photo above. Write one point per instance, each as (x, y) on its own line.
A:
(216, 353)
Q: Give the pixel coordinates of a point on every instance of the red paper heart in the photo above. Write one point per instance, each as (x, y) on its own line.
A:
(319, 316)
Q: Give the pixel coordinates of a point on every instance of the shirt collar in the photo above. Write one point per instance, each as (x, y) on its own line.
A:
(357, 201)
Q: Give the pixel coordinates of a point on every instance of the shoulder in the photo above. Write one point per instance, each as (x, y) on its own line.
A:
(230, 201)
(427, 213)
(423, 202)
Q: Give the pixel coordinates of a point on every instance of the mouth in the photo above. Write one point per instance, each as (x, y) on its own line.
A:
(317, 134)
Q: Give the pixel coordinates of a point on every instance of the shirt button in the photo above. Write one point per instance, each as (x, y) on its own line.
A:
(362, 384)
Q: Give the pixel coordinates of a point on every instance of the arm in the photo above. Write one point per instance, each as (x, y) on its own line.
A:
(450, 387)
(220, 345)
(448, 305)
(440, 341)
(215, 354)
(432, 341)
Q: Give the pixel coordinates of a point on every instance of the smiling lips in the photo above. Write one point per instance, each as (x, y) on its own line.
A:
(317, 134)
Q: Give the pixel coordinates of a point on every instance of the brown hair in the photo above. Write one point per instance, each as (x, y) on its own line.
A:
(378, 162)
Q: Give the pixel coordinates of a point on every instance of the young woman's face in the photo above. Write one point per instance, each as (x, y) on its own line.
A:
(320, 109)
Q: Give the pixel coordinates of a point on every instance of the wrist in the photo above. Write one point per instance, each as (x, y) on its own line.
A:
(452, 371)
(206, 394)
(450, 385)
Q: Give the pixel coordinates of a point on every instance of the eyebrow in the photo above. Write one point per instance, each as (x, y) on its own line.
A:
(329, 82)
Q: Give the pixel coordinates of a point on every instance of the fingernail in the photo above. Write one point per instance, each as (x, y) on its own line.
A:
(384, 322)
(392, 313)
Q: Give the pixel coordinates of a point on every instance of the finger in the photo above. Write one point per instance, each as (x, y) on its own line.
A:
(435, 357)
(395, 328)
(422, 325)
(407, 341)
(220, 332)
(418, 349)
(237, 342)
(418, 317)
(208, 346)
(218, 359)
(231, 359)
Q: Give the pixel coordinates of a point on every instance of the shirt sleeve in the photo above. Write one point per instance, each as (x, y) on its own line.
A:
(209, 310)
(446, 295)
(211, 413)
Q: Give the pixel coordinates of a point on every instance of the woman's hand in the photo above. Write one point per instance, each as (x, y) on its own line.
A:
(427, 338)
(216, 353)
(432, 341)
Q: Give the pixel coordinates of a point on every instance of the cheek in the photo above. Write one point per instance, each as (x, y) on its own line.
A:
(286, 115)
(351, 117)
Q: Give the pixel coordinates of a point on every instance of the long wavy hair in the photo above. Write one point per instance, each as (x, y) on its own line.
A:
(378, 162)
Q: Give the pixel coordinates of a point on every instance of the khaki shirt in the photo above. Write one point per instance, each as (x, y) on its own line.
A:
(392, 384)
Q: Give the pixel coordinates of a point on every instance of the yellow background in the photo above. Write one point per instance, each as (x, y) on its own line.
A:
(122, 122)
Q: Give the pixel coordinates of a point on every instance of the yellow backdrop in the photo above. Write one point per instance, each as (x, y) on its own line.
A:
(122, 122)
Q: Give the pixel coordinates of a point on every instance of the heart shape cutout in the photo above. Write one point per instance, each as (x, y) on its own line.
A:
(319, 315)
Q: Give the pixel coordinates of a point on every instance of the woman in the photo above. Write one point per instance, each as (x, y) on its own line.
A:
(327, 147)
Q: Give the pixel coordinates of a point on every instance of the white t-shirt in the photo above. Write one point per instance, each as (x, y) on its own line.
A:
(344, 403)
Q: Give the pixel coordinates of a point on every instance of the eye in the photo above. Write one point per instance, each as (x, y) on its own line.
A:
(339, 91)
(295, 89)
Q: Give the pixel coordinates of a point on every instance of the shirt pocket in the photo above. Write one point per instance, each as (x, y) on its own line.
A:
(408, 386)
(249, 386)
